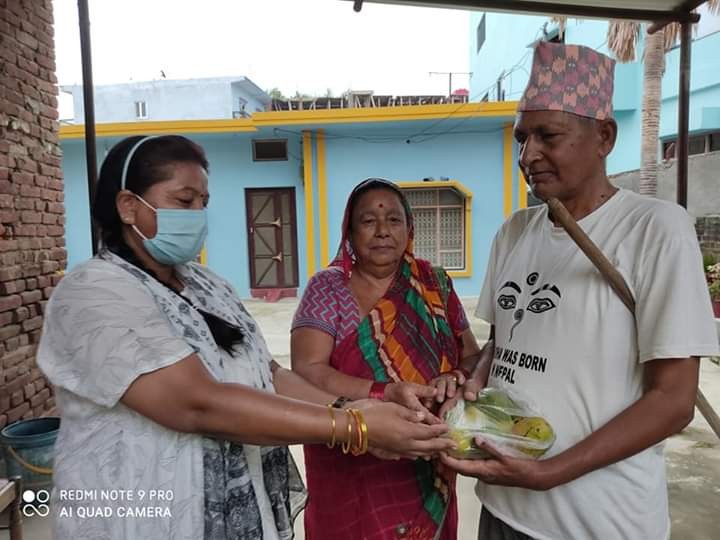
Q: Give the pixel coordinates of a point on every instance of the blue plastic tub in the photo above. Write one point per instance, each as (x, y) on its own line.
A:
(29, 450)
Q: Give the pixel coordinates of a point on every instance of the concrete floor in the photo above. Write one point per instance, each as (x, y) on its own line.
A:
(693, 456)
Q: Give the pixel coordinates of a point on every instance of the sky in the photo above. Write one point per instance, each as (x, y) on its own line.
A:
(306, 46)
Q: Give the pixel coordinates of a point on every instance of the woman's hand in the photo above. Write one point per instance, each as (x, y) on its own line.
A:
(409, 395)
(400, 432)
(503, 470)
(446, 386)
(469, 391)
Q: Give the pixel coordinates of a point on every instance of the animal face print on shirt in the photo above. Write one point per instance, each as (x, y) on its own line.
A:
(543, 298)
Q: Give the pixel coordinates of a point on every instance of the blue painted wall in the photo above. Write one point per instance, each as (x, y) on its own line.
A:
(77, 209)
(232, 170)
(505, 49)
(473, 159)
(704, 87)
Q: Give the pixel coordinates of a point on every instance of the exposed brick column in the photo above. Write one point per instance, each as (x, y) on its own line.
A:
(32, 214)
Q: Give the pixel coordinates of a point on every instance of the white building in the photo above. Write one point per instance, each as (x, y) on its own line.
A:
(163, 99)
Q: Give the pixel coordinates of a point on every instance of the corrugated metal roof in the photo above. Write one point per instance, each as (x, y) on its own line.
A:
(648, 10)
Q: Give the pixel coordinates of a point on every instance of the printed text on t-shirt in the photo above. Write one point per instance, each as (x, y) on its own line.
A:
(507, 360)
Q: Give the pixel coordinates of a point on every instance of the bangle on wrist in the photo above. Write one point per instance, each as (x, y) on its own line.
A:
(377, 390)
(333, 428)
(347, 445)
(362, 432)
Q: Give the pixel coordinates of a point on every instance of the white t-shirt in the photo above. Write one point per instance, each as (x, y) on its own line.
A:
(566, 341)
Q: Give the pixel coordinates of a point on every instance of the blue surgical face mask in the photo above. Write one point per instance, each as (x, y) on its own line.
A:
(180, 234)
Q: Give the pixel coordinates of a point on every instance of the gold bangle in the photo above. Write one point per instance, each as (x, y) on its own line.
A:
(364, 441)
(355, 450)
(346, 445)
(333, 437)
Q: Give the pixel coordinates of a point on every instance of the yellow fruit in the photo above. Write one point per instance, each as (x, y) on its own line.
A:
(533, 427)
(536, 428)
(463, 439)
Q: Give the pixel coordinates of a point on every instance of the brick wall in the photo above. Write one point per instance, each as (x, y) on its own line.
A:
(708, 231)
(32, 214)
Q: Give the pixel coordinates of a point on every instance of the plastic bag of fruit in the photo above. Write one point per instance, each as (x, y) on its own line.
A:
(505, 420)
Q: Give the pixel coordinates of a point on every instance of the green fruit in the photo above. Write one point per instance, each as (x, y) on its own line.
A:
(487, 419)
(495, 397)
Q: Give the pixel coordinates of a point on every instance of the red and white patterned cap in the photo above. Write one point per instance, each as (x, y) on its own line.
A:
(570, 78)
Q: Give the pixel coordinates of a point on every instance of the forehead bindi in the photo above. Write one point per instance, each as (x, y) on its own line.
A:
(379, 198)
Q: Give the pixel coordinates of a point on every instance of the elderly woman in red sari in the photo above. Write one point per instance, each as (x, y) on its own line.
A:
(380, 323)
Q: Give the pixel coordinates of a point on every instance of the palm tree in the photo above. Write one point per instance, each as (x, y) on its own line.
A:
(623, 37)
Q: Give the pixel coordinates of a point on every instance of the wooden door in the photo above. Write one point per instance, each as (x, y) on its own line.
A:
(272, 238)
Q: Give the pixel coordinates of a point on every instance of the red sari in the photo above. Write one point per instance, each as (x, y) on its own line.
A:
(406, 336)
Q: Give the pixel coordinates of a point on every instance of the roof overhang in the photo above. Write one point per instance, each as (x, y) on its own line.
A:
(316, 119)
(642, 10)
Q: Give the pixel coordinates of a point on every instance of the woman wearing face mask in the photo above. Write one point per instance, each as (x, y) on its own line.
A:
(174, 416)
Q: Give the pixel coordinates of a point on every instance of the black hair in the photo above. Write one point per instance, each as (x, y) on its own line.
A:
(370, 184)
(152, 162)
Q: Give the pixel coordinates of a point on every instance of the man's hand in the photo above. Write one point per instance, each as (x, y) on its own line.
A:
(471, 388)
(503, 470)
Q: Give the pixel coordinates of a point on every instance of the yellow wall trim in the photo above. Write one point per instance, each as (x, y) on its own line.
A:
(322, 200)
(387, 114)
(126, 129)
(309, 204)
(467, 194)
(507, 170)
(280, 118)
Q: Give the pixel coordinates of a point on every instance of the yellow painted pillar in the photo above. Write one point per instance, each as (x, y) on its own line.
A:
(323, 200)
(507, 170)
(309, 203)
(522, 190)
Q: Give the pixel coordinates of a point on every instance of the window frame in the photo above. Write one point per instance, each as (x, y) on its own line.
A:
(254, 143)
(706, 136)
(141, 110)
(466, 196)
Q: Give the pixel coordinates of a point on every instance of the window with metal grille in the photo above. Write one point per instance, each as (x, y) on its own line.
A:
(439, 216)
(697, 144)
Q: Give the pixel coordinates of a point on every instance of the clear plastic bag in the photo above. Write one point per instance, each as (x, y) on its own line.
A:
(505, 420)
